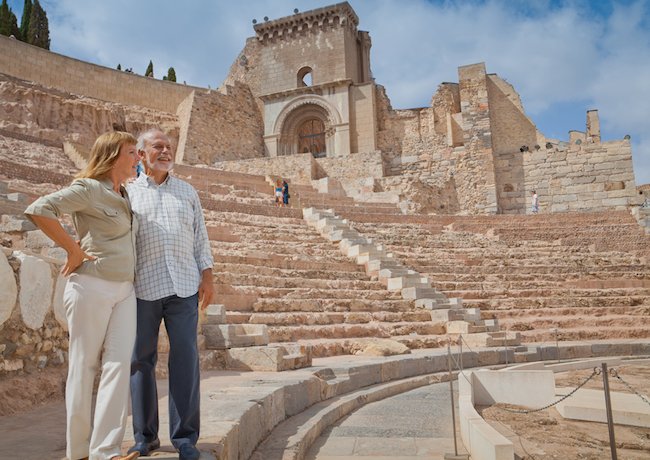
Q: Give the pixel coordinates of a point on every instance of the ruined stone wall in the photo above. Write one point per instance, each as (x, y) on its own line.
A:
(510, 127)
(12, 170)
(32, 63)
(581, 177)
(223, 127)
(32, 318)
(246, 70)
(349, 168)
(51, 115)
(363, 126)
(300, 168)
(475, 176)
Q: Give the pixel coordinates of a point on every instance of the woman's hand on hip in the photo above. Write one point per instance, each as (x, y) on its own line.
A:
(76, 257)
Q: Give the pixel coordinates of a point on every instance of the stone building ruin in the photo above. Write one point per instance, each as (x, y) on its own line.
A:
(300, 101)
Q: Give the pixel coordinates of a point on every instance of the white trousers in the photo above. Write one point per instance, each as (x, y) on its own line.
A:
(102, 324)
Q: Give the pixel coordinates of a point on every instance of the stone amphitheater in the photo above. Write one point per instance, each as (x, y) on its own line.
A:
(408, 231)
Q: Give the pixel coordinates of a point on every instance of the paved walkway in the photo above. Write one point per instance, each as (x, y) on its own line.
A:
(413, 425)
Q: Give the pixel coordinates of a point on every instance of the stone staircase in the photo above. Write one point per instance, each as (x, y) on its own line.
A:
(280, 273)
(566, 276)
(410, 284)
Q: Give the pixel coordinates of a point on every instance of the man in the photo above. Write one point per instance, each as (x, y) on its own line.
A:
(173, 272)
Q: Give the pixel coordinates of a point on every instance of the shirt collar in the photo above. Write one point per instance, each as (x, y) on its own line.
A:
(108, 185)
(148, 181)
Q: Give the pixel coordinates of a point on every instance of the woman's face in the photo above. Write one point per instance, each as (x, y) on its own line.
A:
(127, 162)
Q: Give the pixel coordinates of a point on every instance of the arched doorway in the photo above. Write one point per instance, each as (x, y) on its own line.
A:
(306, 129)
(311, 137)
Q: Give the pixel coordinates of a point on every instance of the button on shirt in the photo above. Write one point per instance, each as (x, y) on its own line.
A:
(104, 223)
(172, 241)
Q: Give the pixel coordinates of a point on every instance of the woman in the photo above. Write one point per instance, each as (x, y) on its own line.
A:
(99, 298)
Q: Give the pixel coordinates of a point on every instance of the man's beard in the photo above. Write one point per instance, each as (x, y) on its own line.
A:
(159, 166)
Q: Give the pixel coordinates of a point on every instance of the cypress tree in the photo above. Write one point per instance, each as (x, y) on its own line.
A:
(38, 33)
(149, 72)
(24, 22)
(171, 74)
(8, 21)
(119, 67)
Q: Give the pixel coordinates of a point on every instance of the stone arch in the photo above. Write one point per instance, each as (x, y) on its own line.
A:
(307, 129)
(305, 77)
(333, 115)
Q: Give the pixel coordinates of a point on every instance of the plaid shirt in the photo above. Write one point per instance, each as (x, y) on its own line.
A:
(172, 242)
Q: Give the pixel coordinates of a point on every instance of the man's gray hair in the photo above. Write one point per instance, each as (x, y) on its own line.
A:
(147, 135)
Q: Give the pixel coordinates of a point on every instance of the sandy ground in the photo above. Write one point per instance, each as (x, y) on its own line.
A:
(547, 435)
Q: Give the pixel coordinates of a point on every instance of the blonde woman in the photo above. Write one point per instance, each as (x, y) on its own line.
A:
(99, 298)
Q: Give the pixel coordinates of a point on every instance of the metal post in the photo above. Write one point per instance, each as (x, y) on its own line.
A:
(455, 455)
(505, 345)
(451, 392)
(610, 419)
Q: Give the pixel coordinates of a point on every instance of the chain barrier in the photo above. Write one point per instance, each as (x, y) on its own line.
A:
(614, 373)
(595, 372)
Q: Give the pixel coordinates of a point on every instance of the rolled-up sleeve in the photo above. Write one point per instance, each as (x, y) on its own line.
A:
(71, 199)
(202, 251)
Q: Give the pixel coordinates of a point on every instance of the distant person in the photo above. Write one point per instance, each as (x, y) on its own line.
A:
(173, 273)
(285, 193)
(99, 298)
(278, 192)
(534, 202)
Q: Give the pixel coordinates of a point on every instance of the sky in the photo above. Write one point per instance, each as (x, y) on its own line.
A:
(563, 57)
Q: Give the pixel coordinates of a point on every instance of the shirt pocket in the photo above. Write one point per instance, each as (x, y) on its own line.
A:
(111, 212)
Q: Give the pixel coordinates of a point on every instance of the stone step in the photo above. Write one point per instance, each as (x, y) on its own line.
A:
(319, 272)
(438, 304)
(559, 302)
(583, 334)
(219, 336)
(417, 292)
(270, 358)
(282, 262)
(569, 321)
(513, 315)
(331, 305)
(549, 293)
(446, 269)
(325, 318)
(350, 280)
(305, 293)
(373, 329)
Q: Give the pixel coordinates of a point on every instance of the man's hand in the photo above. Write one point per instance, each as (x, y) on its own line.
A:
(206, 289)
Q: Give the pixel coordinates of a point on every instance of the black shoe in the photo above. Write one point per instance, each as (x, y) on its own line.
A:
(188, 452)
(145, 447)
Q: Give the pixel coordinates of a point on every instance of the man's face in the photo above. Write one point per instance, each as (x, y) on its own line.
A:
(157, 156)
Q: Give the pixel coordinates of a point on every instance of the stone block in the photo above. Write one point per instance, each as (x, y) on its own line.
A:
(215, 314)
(416, 292)
(11, 223)
(35, 296)
(400, 282)
(266, 358)
(36, 240)
(218, 336)
(8, 287)
(589, 405)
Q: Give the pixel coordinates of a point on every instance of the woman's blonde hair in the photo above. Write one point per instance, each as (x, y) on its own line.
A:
(104, 154)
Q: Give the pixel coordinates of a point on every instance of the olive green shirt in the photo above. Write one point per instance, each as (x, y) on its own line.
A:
(104, 223)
